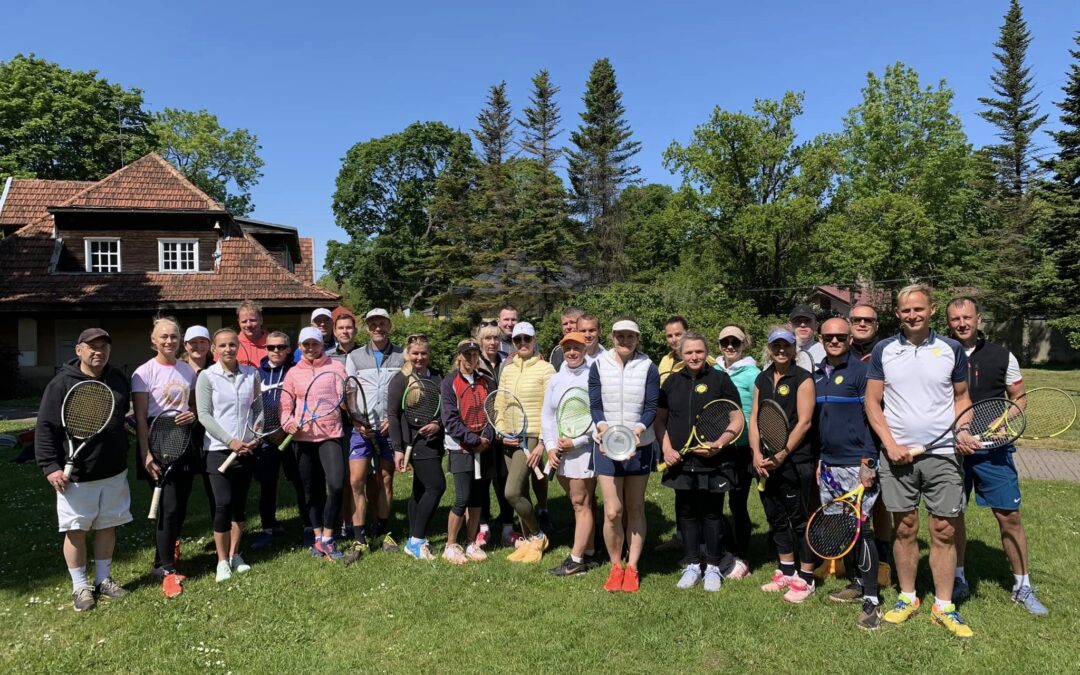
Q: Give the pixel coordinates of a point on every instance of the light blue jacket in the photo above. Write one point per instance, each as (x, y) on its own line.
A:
(743, 373)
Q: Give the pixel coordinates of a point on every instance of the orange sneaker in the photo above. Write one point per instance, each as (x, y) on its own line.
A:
(615, 579)
(630, 582)
(171, 585)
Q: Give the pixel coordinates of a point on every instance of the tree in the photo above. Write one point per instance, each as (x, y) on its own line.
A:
(540, 127)
(601, 166)
(57, 123)
(1015, 111)
(656, 238)
(224, 164)
(384, 193)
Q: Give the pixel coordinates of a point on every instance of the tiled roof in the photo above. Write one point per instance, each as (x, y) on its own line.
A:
(27, 199)
(305, 269)
(150, 182)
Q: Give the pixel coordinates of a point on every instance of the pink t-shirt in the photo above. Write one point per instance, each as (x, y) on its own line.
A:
(169, 386)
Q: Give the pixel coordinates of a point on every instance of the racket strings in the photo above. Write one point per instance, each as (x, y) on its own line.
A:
(355, 400)
(505, 414)
(832, 530)
(574, 417)
(88, 408)
(713, 421)
(422, 400)
(772, 427)
(1049, 412)
(995, 422)
(168, 440)
(324, 394)
(471, 408)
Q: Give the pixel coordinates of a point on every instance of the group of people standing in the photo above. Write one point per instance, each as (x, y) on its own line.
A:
(854, 405)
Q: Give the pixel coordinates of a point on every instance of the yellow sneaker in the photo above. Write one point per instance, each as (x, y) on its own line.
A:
(902, 610)
(951, 619)
(884, 575)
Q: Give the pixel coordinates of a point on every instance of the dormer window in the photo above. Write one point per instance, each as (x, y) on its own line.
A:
(103, 254)
(178, 255)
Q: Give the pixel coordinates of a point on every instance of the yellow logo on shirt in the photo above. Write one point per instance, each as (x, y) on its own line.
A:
(701, 388)
(936, 351)
(839, 379)
(783, 390)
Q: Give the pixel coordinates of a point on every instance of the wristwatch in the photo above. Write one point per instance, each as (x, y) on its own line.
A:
(870, 463)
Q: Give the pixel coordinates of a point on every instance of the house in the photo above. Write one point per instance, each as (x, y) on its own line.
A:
(140, 242)
(836, 301)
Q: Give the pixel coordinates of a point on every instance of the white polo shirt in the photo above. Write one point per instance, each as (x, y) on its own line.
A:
(919, 379)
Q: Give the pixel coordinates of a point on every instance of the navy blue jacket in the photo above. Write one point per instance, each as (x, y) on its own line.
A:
(839, 418)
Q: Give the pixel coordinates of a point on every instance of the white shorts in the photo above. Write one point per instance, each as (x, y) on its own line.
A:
(94, 504)
(577, 464)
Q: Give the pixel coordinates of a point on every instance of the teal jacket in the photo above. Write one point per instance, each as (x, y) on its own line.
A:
(743, 373)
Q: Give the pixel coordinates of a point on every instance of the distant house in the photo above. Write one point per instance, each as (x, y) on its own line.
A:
(837, 301)
(140, 242)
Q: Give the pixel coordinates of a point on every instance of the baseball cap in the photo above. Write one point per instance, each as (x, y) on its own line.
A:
(572, 336)
(523, 328)
(340, 312)
(310, 333)
(625, 324)
(468, 347)
(378, 311)
(782, 334)
(322, 311)
(91, 334)
(194, 332)
(804, 311)
(732, 331)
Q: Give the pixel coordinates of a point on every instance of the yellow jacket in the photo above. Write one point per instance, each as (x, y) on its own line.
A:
(528, 380)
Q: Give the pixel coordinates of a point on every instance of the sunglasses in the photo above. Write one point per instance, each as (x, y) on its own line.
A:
(863, 319)
(484, 324)
(524, 339)
(734, 343)
(277, 348)
(416, 337)
(835, 337)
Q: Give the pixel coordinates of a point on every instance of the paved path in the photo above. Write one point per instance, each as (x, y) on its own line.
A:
(1048, 464)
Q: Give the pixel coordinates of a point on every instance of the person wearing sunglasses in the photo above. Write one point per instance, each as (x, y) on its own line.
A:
(864, 328)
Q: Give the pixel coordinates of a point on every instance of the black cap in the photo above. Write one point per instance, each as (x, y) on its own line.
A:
(802, 310)
(468, 346)
(91, 334)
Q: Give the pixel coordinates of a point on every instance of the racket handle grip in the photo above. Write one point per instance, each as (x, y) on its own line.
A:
(68, 469)
(549, 471)
(662, 467)
(916, 450)
(477, 470)
(285, 443)
(761, 485)
(154, 502)
(408, 456)
(538, 472)
(227, 463)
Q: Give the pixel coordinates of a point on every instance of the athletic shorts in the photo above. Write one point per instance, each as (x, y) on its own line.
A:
(577, 463)
(364, 448)
(993, 477)
(837, 481)
(939, 479)
(641, 463)
(94, 504)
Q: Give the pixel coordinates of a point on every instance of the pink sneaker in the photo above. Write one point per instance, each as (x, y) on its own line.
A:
(798, 590)
(482, 538)
(475, 553)
(741, 570)
(778, 582)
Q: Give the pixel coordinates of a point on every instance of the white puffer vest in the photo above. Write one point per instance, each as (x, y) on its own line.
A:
(623, 390)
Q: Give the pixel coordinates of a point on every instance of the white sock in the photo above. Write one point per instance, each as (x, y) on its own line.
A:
(78, 578)
(484, 528)
(101, 570)
(941, 603)
(871, 598)
(1021, 580)
(960, 574)
(576, 559)
(908, 597)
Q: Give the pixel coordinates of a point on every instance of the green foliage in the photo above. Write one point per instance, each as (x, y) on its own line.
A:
(224, 164)
(57, 123)
(655, 236)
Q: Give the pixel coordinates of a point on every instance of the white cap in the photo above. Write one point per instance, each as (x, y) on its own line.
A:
(626, 324)
(322, 311)
(310, 333)
(378, 311)
(196, 332)
(523, 328)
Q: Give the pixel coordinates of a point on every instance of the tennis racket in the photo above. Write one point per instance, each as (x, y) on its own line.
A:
(421, 403)
(471, 409)
(322, 398)
(835, 527)
(356, 402)
(773, 431)
(573, 418)
(87, 408)
(506, 415)
(169, 442)
(994, 423)
(715, 419)
(1050, 412)
(263, 419)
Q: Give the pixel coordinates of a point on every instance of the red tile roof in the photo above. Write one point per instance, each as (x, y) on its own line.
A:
(27, 199)
(150, 182)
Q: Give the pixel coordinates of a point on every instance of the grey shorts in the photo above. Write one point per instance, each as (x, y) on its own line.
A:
(937, 478)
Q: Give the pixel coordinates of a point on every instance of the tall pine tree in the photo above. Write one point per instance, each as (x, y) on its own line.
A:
(493, 263)
(600, 167)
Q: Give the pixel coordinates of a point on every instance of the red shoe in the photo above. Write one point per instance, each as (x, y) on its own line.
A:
(614, 581)
(176, 550)
(630, 580)
(172, 585)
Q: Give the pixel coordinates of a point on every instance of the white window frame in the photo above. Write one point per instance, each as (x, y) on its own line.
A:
(89, 256)
(161, 255)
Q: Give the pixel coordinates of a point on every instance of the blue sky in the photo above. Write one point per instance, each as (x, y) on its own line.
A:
(312, 80)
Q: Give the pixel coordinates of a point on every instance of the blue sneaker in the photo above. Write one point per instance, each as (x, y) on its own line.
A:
(329, 550)
(1025, 595)
(419, 549)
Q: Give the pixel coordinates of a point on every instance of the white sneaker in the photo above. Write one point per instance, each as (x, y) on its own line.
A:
(224, 572)
(740, 570)
(238, 565)
(690, 577)
(713, 578)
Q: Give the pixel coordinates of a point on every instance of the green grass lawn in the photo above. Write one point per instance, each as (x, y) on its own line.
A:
(1068, 380)
(292, 613)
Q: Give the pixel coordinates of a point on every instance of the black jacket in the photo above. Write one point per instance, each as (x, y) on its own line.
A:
(106, 454)
(684, 395)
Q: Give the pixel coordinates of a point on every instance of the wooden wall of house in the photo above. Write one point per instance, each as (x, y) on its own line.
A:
(139, 234)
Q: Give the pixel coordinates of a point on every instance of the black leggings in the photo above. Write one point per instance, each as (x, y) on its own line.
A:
(267, 468)
(429, 484)
(172, 511)
(469, 492)
(506, 511)
(322, 476)
(701, 519)
(866, 560)
(737, 533)
(230, 489)
(790, 496)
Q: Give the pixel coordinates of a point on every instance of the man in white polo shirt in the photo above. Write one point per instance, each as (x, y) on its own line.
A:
(916, 385)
